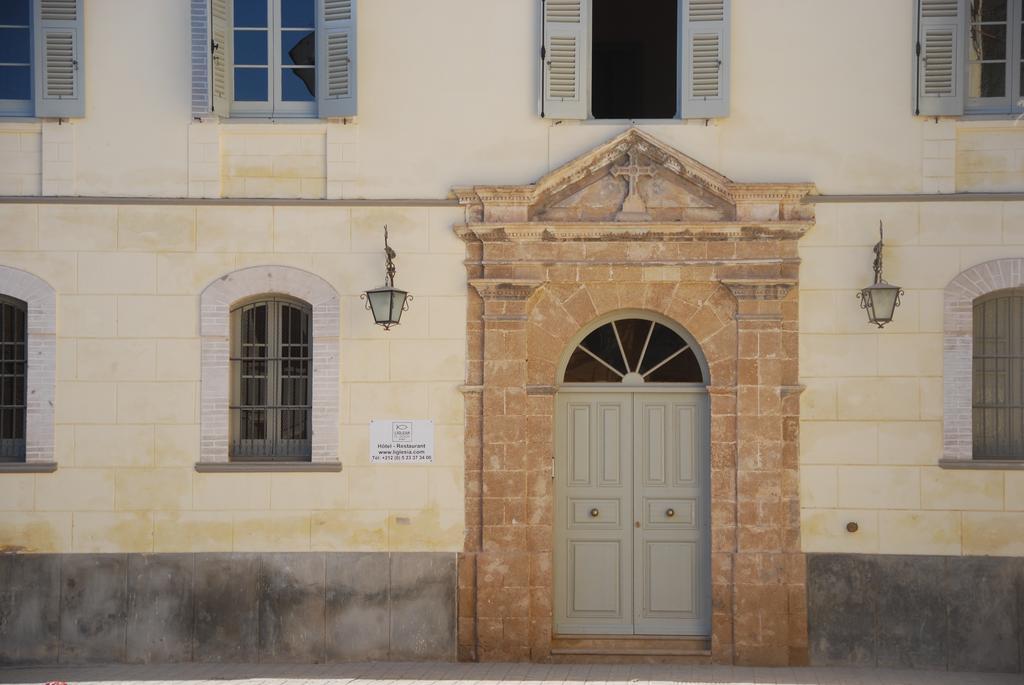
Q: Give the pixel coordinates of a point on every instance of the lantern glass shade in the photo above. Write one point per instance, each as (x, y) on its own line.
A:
(880, 300)
(387, 305)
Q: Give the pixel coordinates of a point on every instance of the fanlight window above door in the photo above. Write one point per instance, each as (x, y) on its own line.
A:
(633, 351)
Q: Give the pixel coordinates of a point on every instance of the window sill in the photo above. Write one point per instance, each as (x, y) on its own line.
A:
(268, 467)
(28, 467)
(260, 123)
(20, 124)
(983, 464)
(674, 121)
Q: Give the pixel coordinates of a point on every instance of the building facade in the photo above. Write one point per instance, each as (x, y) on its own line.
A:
(658, 423)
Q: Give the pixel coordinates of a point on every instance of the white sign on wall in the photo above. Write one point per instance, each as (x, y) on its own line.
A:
(401, 441)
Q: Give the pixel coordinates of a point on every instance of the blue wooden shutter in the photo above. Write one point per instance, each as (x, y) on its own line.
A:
(705, 68)
(220, 57)
(939, 48)
(199, 22)
(59, 69)
(566, 55)
(336, 58)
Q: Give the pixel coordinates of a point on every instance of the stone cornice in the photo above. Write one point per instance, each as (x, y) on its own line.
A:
(505, 288)
(772, 192)
(615, 231)
(760, 288)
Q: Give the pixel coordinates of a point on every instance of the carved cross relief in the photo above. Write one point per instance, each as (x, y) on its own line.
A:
(633, 208)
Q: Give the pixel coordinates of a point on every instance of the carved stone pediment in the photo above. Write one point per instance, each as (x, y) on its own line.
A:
(635, 179)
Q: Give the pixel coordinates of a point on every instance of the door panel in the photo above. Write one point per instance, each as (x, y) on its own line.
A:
(671, 513)
(652, 432)
(671, 555)
(610, 452)
(579, 444)
(595, 594)
(593, 547)
(670, 576)
(595, 513)
(686, 428)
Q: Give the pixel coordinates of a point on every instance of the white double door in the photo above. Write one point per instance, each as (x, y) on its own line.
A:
(631, 547)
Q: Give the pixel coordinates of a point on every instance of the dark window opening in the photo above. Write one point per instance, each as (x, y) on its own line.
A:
(271, 389)
(635, 59)
(13, 369)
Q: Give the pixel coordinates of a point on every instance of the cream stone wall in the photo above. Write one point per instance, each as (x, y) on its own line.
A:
(440, 105)
(871, 414)
(990, 156)
(127, 436)
(20, 155)
(272, 161)
(448, 96)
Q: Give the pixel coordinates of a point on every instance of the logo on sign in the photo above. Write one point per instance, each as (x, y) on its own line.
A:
(401, 431)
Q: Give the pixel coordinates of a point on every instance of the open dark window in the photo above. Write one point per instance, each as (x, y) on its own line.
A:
(635, 59)
(13, 367)
(271, 393)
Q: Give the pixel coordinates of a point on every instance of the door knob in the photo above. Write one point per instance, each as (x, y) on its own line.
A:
(594, 513)
(670, 513)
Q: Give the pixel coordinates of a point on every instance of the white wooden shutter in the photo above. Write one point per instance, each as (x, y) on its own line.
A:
(59, 70)
(336, 58)
(220, 57)
(705, 67)
(939, 48)
(566, 56)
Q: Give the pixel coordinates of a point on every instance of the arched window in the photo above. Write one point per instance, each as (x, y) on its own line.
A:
(261, 356)
(13, 376)
(271, 386)
(633, 351)
(998, 375)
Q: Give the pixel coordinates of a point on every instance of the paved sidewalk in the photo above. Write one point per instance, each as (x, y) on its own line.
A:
(485, 674)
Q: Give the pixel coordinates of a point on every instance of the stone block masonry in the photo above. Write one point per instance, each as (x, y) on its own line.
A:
(226, 607)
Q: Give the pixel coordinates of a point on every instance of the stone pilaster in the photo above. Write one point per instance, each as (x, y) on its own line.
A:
(502, 563)
(768, 568)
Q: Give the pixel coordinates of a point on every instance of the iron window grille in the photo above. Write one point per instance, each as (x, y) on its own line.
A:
(13, 369)
(271, 387)
(998, 375)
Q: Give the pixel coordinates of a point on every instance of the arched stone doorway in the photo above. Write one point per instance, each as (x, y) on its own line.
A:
(631, 547)
(547, 260)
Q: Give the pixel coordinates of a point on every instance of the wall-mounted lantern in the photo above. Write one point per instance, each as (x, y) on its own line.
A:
(880, 299)
(387, 303)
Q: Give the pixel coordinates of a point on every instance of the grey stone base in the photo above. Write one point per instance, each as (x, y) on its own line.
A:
(281, 607)
(945, 613)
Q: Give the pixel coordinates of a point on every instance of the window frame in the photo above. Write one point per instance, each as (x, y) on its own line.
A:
(272, 447)
(680, 56)
(16, 450)
(1013, 102)
(1013, 326)
(275, 106)
(23, 108)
